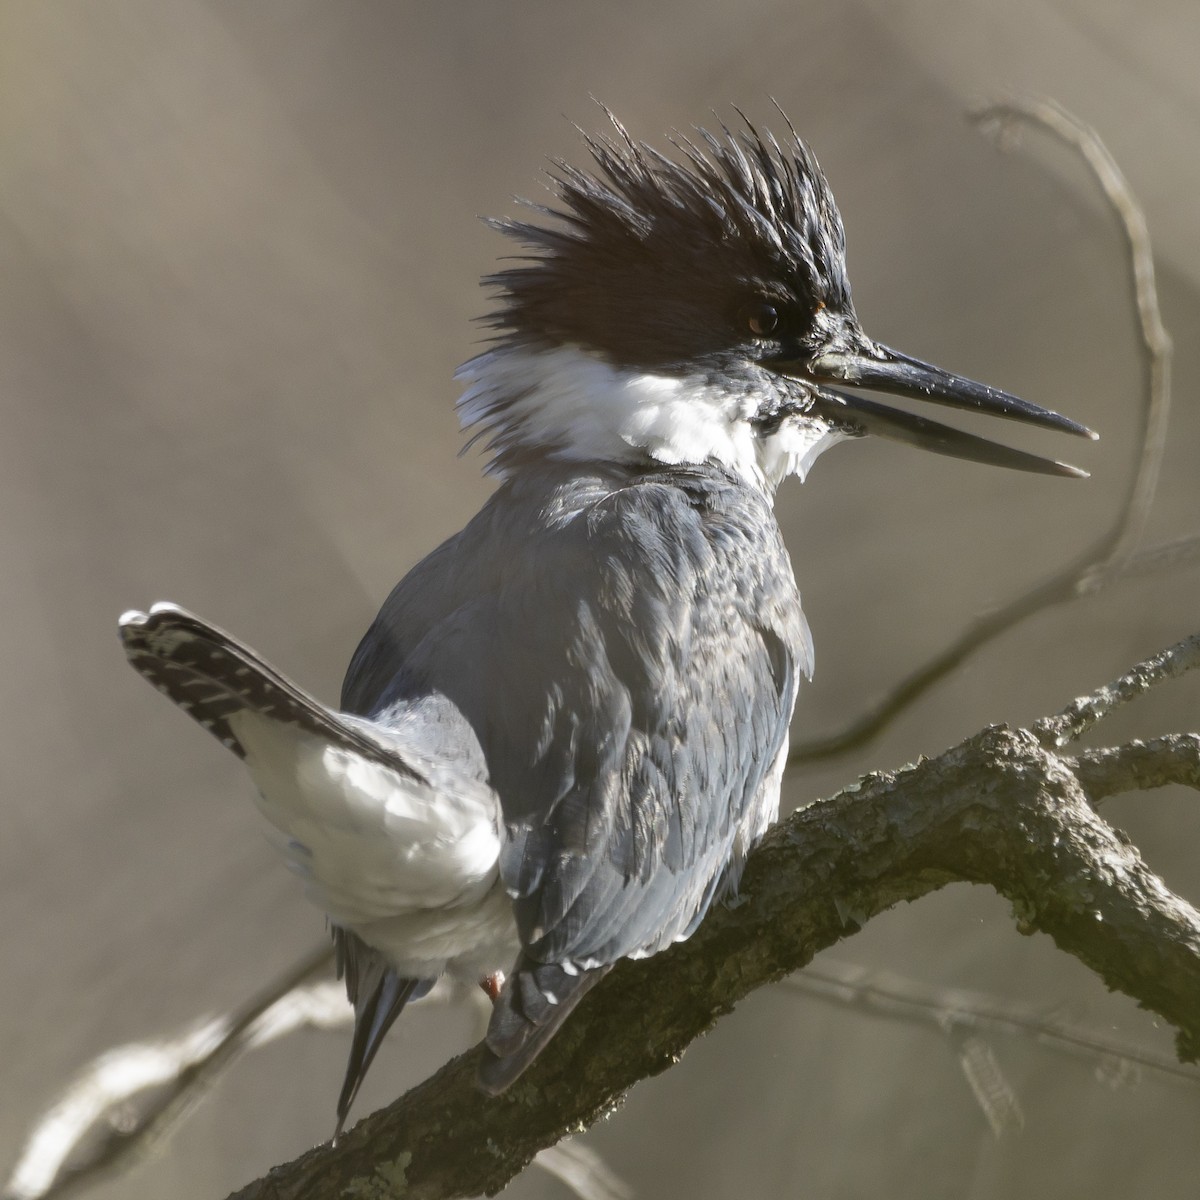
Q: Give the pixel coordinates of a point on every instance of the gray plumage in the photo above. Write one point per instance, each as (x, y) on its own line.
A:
(588, 675)
(566, 727)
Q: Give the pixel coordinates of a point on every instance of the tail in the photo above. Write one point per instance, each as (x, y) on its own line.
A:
(213, 677)
(536, 1000)
(385, 837)
(379, 996)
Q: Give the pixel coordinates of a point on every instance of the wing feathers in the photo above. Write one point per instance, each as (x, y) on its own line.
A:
(536, 1000)
(213, 676)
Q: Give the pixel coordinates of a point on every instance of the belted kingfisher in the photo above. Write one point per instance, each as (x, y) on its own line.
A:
(567, 726)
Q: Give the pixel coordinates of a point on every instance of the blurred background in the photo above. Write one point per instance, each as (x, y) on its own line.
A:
(239, 254)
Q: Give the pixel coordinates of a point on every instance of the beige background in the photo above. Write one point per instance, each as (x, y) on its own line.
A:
(238, 262)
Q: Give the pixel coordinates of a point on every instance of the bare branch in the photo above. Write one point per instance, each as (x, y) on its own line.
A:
(1064, 586)
(988, 1083)
(129, 1102)
(1156, 342)
(1139, 766)
(1001, 809)
(1111, 554)
(883, 994)
(998, 809)
(1166, 556)
(583, 1171)
(131, 1098)
(1081, 714)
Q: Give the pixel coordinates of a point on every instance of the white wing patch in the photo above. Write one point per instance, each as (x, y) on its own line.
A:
(410, 867)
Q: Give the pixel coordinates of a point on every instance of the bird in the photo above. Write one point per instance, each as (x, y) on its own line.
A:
(567, 726)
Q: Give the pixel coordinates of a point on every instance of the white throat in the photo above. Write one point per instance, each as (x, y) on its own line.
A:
(574, 406)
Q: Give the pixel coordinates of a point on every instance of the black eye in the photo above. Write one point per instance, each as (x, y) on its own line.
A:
(761, 317)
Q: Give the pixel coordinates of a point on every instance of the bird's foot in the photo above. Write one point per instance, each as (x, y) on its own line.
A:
(492, 984)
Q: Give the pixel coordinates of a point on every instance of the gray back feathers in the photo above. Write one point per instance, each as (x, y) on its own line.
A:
(626, 646)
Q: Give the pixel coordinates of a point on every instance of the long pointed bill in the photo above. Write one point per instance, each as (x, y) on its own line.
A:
(870, 417)
(882, 369)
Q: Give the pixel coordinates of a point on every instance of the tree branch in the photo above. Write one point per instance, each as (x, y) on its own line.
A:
(888, 996)
(1081, 714)
(1004, 809)
(1139, 766)
(999, 809)
(129, 1101)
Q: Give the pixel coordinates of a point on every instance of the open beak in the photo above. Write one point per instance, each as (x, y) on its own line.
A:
(871, 365)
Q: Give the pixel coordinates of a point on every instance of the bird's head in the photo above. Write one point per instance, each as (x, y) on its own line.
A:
(692, 309)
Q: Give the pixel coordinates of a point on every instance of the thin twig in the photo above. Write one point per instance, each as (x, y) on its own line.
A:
(1175, 555)
(1111, 554)
(889, 996)
(1138, 766)
(582, 1170)
(1056, 590)
(1156, 342)
(130, 1101)
(131, 1098)
(1081, 714)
